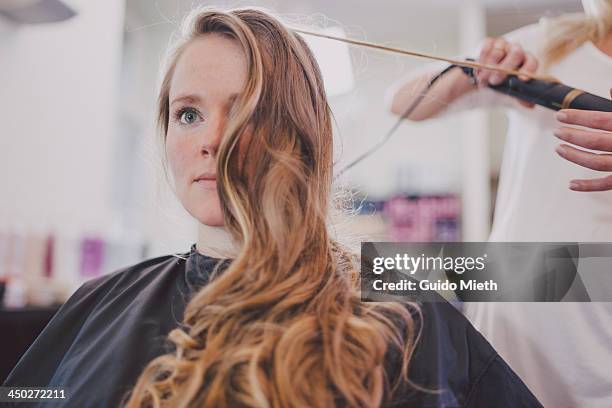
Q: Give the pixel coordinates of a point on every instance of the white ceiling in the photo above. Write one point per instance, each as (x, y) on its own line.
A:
(377, 19)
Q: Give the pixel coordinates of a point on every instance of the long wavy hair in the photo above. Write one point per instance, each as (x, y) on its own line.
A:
(566, 33)
(283, 324)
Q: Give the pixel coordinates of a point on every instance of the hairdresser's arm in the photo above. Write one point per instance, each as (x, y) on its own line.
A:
(598, 137)
(494, 51)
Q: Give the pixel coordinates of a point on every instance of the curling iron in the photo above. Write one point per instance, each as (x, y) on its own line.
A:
(537, 89)
(550, 94)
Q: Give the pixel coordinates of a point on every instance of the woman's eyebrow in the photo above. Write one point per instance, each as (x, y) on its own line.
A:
(193, 98)
(190, 98)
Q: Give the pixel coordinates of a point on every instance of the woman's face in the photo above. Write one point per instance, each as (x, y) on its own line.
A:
(209, 75)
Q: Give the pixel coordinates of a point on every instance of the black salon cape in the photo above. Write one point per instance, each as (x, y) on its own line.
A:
(103, 336)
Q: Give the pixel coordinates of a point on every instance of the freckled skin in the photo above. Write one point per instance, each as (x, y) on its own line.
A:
(211, 68)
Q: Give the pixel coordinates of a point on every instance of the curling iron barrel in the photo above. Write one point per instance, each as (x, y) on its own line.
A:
(552, 95)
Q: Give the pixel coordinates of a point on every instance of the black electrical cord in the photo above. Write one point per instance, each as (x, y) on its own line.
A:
(392, 130)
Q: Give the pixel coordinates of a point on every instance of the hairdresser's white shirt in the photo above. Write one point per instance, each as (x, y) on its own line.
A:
(562, 351)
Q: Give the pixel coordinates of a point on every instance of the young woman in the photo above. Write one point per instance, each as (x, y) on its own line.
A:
(278, 323)
(561, 350)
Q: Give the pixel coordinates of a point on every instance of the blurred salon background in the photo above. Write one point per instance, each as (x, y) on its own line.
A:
(83, 191)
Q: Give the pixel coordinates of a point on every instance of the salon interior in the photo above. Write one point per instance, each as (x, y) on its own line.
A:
(83, 186)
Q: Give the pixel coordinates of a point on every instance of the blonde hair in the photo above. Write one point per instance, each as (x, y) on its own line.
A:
(566, 33)
(283, 325)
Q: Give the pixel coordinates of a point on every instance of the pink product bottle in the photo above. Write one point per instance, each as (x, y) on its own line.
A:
(448, 220)
(400, 214)
(92, 256)
(48, 260)
(423, 219)
(405, 223)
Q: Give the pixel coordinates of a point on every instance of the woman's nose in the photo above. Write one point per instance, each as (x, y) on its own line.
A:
(209, 149)
(212, 137)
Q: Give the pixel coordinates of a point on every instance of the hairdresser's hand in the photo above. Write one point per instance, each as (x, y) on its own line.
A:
(498, 51)
(598, 137)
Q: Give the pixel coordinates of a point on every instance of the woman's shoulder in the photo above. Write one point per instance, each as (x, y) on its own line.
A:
(115, 291)
(82, 321)
(454, 365)
(533, 37)
(137, 274)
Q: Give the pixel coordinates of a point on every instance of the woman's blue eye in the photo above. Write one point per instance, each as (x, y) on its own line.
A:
(188, 116)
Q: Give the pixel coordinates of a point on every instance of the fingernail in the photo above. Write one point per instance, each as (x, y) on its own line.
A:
(574, 185)
(559, 133)
(561, 116)
(559, 149)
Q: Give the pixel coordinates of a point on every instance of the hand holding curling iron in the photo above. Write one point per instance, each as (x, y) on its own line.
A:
(498, 51)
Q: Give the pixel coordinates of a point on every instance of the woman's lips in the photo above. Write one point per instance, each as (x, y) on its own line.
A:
(207, 179)
(207, 182)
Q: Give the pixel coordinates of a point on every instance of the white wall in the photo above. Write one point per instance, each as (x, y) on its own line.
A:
(58, 98)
